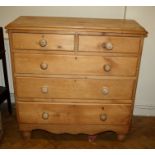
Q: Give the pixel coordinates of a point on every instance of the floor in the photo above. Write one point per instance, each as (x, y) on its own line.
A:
(142, 135)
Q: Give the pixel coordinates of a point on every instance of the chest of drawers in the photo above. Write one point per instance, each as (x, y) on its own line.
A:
(75, 75)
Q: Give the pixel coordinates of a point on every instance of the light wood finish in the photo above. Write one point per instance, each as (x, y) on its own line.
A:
(90, 101)
(29, 87)
(119, 44)
(75, 75)
(52, 41)
(68, 64)
(116, 114)
(120, 26)
(90, 129)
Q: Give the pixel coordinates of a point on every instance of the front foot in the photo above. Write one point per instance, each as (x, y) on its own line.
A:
(121, 137)
(26, 135)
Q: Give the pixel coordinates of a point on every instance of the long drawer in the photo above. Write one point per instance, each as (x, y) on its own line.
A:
(43, 41)
(65, 113)
(69, 88)
(68, 64)
(109, 44)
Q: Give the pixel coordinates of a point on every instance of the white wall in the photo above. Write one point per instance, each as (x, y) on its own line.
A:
(145, 96)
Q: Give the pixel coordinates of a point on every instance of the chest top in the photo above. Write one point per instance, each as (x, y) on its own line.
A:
(77, 24)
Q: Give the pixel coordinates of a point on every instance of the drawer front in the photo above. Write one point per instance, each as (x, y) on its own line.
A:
(63, 88)
(43, 42)
(82, 65)
(65, 113)
(109, 44)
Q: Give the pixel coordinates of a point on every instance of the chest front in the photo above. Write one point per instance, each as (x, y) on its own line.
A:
(75, 78)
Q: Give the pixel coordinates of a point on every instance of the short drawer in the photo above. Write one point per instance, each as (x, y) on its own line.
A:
(82, 65)
(43, 41)
(69, 88)
(67, 113)
(109, 44)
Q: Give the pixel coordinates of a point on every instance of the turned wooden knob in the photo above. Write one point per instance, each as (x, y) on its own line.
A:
(105, 90)
(43, 43)
(103, 117)
(44, 89)
(43, 66)
(107, 46)
(107, 68)
(45, 115)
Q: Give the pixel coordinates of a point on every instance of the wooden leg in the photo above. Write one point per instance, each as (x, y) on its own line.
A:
(26, 134)
(121, 137)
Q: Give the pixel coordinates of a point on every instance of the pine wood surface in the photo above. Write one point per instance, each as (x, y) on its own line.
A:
(64, 59)
(77, 114)
(70, 64)
(106, 25)
(140, 136)
(54, 41)
(30, 87)
(120, 44)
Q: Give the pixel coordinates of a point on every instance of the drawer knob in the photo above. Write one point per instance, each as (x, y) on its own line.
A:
(105, 91)
(107, 46)
(43, 66)
(107, 68)
(45, 115)
(43, 43)
(44, 89)
(103, 117)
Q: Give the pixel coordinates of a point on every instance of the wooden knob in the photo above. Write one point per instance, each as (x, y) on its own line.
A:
(107, 46)
(105, 90)
(103, 117)
(43, 43)
(107, 68)
(43, 66)
(45, 115)
(44, 89)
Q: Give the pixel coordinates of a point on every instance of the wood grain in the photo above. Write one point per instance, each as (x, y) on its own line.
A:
(68, 64)
(117, 114)
(90, 129)
(54, 41)
(85, 24)
(29, 87)
(59, 73)
(120, 44)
